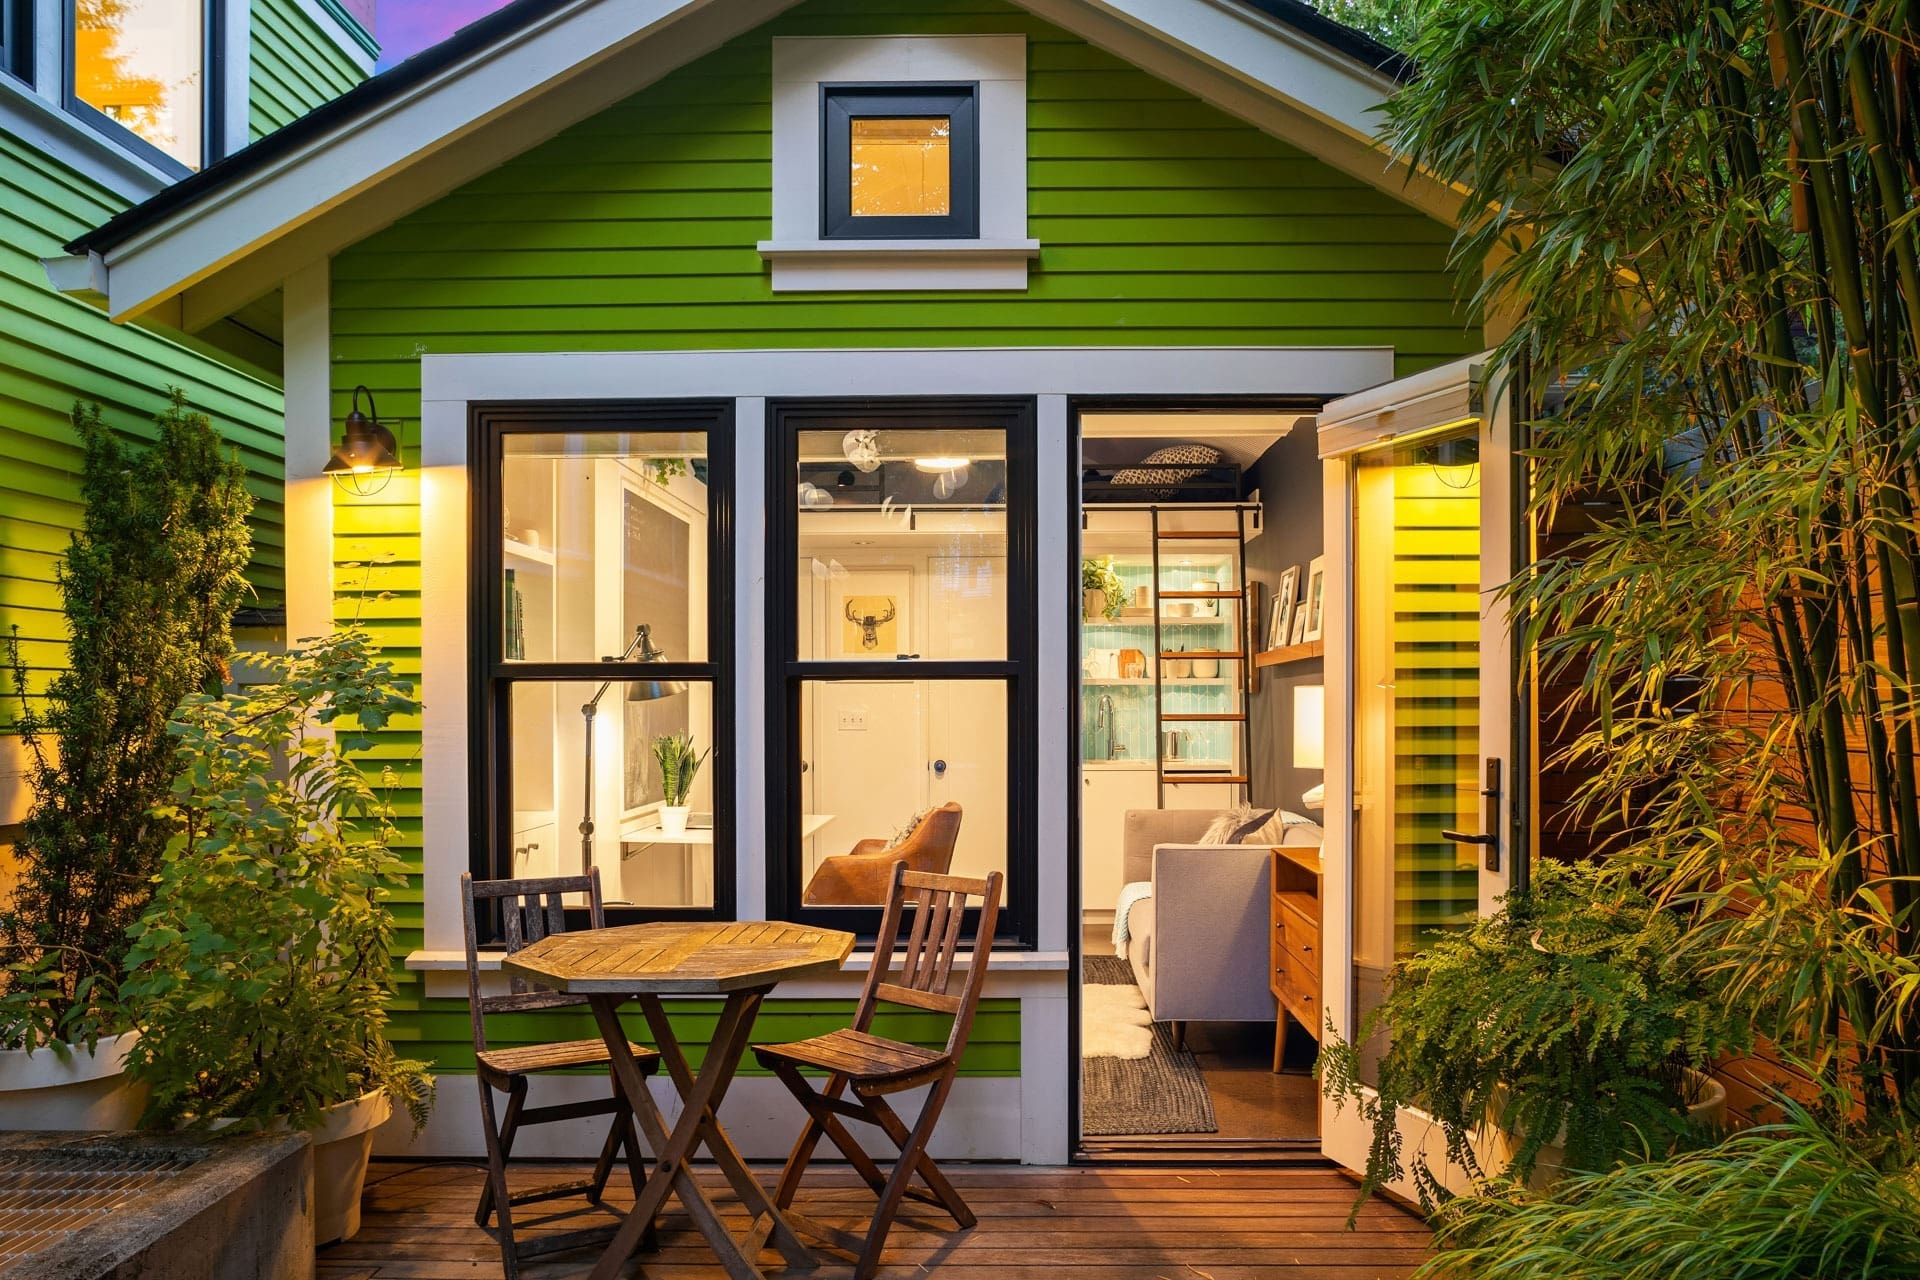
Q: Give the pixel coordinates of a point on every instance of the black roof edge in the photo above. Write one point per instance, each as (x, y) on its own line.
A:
(470, 39)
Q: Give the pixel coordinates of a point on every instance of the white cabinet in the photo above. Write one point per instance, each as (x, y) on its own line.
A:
(1106, 793)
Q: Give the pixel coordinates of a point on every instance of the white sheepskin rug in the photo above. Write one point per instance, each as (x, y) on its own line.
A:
(1114, 1022)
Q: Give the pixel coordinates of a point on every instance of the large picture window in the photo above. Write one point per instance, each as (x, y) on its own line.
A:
(140, 69)
(603, 601)
(901, 567)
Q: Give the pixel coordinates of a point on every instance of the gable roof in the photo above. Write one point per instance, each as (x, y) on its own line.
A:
(224, 237)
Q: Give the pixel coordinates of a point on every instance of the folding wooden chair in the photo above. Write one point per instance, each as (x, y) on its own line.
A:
(532, 910)
(872, 1067)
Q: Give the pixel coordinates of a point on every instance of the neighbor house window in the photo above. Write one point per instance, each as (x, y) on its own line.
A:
(900, 162)
(139, 67)
(602, 580)
(16, 38)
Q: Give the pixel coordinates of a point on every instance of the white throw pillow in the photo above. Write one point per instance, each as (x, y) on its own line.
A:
(1276, 828)
(1221, 829)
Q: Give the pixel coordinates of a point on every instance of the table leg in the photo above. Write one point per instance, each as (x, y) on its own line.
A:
(671, 1149)
(775, 1229)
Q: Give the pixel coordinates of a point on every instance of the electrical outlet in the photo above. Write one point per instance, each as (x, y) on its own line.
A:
(853, 721)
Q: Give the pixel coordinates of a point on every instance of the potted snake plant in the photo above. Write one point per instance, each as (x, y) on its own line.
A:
(679, 766)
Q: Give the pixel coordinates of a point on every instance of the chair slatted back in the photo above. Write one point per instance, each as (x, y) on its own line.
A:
(924, 979)
(530, 910)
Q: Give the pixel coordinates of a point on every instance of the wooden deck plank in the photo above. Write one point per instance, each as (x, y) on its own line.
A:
(1094, 1223)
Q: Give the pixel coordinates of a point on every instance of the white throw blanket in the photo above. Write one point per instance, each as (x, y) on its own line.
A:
(1129, 894)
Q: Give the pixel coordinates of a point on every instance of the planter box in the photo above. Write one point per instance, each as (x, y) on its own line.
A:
(157, 1206)
(68, 1087)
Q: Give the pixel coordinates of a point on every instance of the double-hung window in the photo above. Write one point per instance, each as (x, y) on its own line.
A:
(145, 73)
(902, 651)
(603, 628)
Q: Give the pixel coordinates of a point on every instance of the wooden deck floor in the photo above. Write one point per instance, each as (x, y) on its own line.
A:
(1035, 1224)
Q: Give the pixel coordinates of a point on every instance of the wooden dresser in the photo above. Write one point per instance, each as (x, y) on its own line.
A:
(1294, 945)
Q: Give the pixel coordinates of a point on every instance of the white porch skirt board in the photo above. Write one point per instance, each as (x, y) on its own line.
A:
(981, 1121)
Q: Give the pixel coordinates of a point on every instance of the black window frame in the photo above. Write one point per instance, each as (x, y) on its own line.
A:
(16, 39)
(841, 104)
(490, 679)
(213, 105)
(786, 674)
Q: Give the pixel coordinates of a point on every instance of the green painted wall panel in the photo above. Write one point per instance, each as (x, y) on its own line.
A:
(1161, 220)
(54, 351)
(293, 64)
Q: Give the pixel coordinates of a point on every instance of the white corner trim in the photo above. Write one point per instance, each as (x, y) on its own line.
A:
(81, 276)
(307, 331)
(899, 264)
(802, 261)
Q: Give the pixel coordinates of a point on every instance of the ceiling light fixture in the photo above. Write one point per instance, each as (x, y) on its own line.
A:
(944, 462)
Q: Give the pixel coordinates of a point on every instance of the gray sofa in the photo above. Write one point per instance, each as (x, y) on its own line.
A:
(1198, 946)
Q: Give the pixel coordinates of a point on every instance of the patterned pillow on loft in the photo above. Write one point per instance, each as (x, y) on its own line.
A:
(1174, 465)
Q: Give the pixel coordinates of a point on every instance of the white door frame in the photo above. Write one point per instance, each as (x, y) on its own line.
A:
(1469, 390)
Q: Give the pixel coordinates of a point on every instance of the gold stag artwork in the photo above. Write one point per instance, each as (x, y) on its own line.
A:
(870, 630)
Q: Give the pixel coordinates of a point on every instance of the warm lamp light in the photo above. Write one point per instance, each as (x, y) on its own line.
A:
(368, 454)
(1310, 726)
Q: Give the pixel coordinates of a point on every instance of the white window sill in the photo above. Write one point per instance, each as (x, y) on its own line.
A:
(815, 265)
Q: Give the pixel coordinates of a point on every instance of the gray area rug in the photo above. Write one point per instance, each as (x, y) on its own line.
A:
(1163, 1092)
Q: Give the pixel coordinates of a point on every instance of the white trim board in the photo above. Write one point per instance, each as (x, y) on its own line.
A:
(905, 371)
(237, 242)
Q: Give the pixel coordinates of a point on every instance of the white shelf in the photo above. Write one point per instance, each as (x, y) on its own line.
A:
(1165, 622)
(515, 550)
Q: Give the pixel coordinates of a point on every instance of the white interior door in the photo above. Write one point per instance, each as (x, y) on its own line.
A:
(1421, 703)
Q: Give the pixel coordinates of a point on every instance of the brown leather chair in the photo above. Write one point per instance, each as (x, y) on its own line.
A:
(864, 876)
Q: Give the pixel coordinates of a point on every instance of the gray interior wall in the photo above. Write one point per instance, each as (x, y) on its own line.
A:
(1287, 476)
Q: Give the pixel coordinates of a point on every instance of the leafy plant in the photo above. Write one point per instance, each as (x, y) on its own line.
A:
(1567, 1018)
(679, 766)
(261, 968)
(1098, 575)
(149, 584)
(1701, 225)
(1789, 1201)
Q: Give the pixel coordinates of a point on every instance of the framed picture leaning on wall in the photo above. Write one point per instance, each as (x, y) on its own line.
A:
(1316, 602)
(1282, 621)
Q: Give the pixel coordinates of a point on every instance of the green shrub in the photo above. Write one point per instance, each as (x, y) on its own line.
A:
(1793, 1201)
(261, 971)
(149, 583)
(1569, 1007)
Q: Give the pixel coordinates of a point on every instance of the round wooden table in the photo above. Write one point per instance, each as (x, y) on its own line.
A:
(645, 962)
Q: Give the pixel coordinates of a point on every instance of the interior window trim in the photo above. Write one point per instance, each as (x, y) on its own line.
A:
(491, 678)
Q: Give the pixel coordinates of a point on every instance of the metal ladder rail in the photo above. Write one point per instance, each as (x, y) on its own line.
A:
(1159, 664)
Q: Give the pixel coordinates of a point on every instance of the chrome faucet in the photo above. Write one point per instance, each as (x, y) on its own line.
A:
(1104, 717)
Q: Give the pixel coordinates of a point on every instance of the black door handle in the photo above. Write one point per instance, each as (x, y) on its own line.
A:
(1463, 837)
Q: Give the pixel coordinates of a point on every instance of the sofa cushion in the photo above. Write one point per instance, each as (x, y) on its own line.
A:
(1140, 946)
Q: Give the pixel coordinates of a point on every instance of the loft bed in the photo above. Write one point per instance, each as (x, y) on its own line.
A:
(1193, 477)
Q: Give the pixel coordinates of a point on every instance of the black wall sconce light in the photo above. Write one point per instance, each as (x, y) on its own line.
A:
(368, 454)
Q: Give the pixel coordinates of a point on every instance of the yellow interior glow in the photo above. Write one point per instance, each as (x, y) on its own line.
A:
(902, 167)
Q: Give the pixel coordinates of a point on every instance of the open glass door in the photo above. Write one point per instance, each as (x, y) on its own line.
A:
(1421, 754)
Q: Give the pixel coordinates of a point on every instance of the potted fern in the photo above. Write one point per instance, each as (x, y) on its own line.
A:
(149, 583)
(1566, 1031)
(262, 968)
(679, 766)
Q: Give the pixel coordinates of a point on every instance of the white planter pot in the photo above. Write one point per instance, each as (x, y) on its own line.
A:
(67, 1087)
(341, 1146)
(1093, 603)
(1709, 1112)
(673, 819)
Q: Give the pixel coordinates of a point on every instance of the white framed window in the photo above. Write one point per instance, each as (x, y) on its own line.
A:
(941, 121)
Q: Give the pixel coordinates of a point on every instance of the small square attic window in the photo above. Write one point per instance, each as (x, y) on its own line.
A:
(899, 162)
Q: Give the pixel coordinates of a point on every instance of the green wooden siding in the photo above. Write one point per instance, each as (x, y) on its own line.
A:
(294, 66)
(54, 351)
(1162, 222)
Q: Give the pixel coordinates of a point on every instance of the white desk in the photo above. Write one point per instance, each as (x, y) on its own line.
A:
(810, 825)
